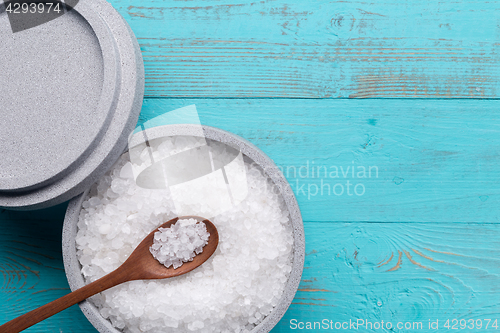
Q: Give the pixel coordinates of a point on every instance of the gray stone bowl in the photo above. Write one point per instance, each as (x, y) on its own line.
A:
(73, 267)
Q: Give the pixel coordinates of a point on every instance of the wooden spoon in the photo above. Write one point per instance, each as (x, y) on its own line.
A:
(141, 265)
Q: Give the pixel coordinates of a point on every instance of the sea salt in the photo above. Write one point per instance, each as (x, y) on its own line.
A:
(179, 243)
(233, 291)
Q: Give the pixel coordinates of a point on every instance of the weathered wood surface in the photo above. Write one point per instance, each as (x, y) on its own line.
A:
(397, 272)
(422, 242)
(32, 271)
(437, 160)
(318, 49)
(404, 272)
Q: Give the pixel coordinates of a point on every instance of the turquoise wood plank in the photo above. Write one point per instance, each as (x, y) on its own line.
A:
(304, 49)
(399, 273)
(437, 160)
(430, 160)
(32, 271)
(403, 272)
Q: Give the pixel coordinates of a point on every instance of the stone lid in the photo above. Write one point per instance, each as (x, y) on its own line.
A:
(72, 90)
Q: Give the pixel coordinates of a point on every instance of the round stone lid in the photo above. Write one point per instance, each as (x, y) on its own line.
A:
(58, 85)
(72, 90)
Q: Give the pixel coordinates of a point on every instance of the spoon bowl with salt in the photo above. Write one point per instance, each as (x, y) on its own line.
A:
(140, 265)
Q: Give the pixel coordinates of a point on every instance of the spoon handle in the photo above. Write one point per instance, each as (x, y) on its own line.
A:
(31, 318)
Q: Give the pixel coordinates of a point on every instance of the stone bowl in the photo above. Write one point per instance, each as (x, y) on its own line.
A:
(73, 267)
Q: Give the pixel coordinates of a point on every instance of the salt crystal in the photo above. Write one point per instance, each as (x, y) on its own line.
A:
(94, 201)
(127, 171)
(116, 243)
(233, 291)
(105, 228)
(110, 210)
(118, 186)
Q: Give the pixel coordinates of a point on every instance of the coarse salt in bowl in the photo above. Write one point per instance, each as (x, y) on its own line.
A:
(247, 284)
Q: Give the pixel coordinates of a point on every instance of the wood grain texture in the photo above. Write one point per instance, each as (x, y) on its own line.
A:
(303, 49)
(437, 160)
(404, 272)
(32, 271)
(279, 73)
(399, 272)
(437, 163)
(140, 265)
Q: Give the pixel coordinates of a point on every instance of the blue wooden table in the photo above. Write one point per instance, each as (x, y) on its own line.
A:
(384, 118)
